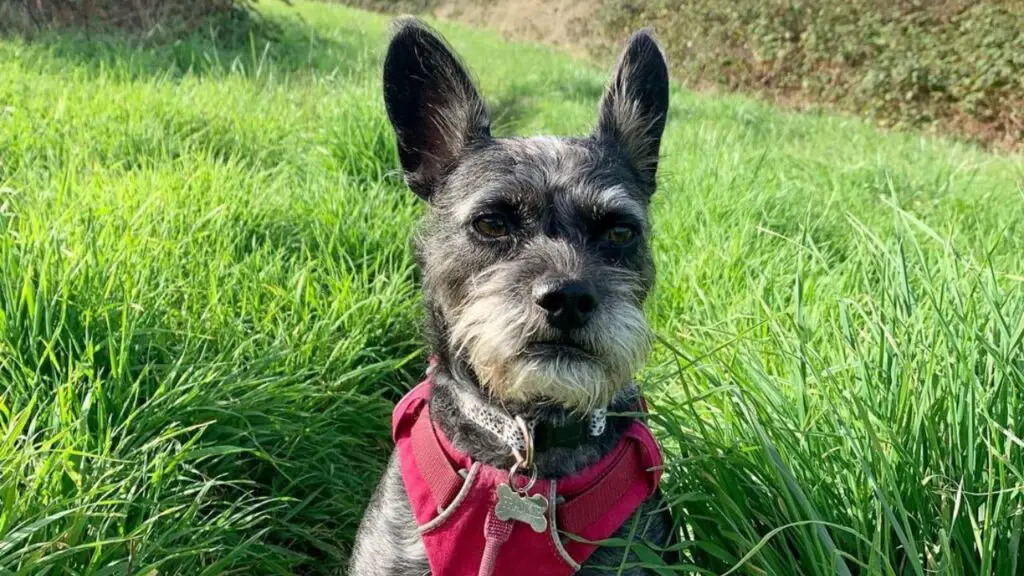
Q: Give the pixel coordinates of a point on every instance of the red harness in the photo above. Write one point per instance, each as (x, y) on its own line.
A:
(453, 500)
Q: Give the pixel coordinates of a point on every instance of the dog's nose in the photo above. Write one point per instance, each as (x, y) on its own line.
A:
(569, 305)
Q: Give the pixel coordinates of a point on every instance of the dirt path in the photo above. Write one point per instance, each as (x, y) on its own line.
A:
(561, 23)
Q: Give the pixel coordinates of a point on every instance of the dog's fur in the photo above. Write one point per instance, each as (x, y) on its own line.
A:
(566, 205)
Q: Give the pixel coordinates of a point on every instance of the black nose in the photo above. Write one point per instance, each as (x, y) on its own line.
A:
(569, 305)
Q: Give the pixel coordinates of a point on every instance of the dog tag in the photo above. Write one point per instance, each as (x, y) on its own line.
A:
(527, 509)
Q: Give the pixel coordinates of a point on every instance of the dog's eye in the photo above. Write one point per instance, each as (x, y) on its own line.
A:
(491, 226)
(618, 235)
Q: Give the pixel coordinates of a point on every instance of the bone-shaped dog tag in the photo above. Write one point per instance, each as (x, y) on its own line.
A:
(528, 509)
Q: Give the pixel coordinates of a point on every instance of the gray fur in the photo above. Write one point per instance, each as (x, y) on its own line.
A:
(559, 197)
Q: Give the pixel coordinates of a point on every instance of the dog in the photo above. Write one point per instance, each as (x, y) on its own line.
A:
(536, 261)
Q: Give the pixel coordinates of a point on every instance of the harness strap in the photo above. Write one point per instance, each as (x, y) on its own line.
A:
(444, 482)
(580, 512)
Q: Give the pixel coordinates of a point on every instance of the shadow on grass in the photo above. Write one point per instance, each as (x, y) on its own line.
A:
(510, 110)
(517, 105)
(587, 89)
(240, 42)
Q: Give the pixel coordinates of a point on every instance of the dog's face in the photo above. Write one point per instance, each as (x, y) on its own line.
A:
(535, 251)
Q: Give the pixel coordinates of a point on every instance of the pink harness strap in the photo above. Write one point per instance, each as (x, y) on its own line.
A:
(454, 511)
(443, 482)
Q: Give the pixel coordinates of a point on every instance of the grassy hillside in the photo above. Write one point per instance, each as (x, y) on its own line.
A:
(208, 305)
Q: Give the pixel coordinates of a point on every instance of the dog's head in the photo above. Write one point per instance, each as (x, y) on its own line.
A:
(535, 251)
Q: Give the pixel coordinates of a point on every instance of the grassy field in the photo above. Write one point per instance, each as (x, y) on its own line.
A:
(208, 306)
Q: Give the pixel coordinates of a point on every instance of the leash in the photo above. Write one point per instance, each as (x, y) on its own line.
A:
(512, 503)
(496, 533)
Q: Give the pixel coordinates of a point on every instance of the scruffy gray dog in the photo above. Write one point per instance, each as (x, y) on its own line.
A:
(536, 261)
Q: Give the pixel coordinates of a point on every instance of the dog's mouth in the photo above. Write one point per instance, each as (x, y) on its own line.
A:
(559, 349)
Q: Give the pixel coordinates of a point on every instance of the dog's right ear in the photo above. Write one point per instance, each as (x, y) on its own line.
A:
(432, 104)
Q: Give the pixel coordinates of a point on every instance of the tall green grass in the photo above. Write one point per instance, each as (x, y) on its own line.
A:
(208, 305)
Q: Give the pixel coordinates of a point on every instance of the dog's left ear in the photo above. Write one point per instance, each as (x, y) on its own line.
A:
(432, 103)
(635, 104)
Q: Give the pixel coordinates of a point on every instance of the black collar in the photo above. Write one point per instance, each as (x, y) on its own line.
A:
(546, 435)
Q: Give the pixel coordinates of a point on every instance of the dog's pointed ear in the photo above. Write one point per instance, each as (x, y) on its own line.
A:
(432, 103)
(635, 104)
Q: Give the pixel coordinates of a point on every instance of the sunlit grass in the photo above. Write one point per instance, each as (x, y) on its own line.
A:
(208, 304)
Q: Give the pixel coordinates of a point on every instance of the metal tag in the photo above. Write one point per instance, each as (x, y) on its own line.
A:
(531, 510)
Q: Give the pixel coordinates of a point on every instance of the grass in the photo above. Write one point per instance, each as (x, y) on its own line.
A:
(208, 305)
